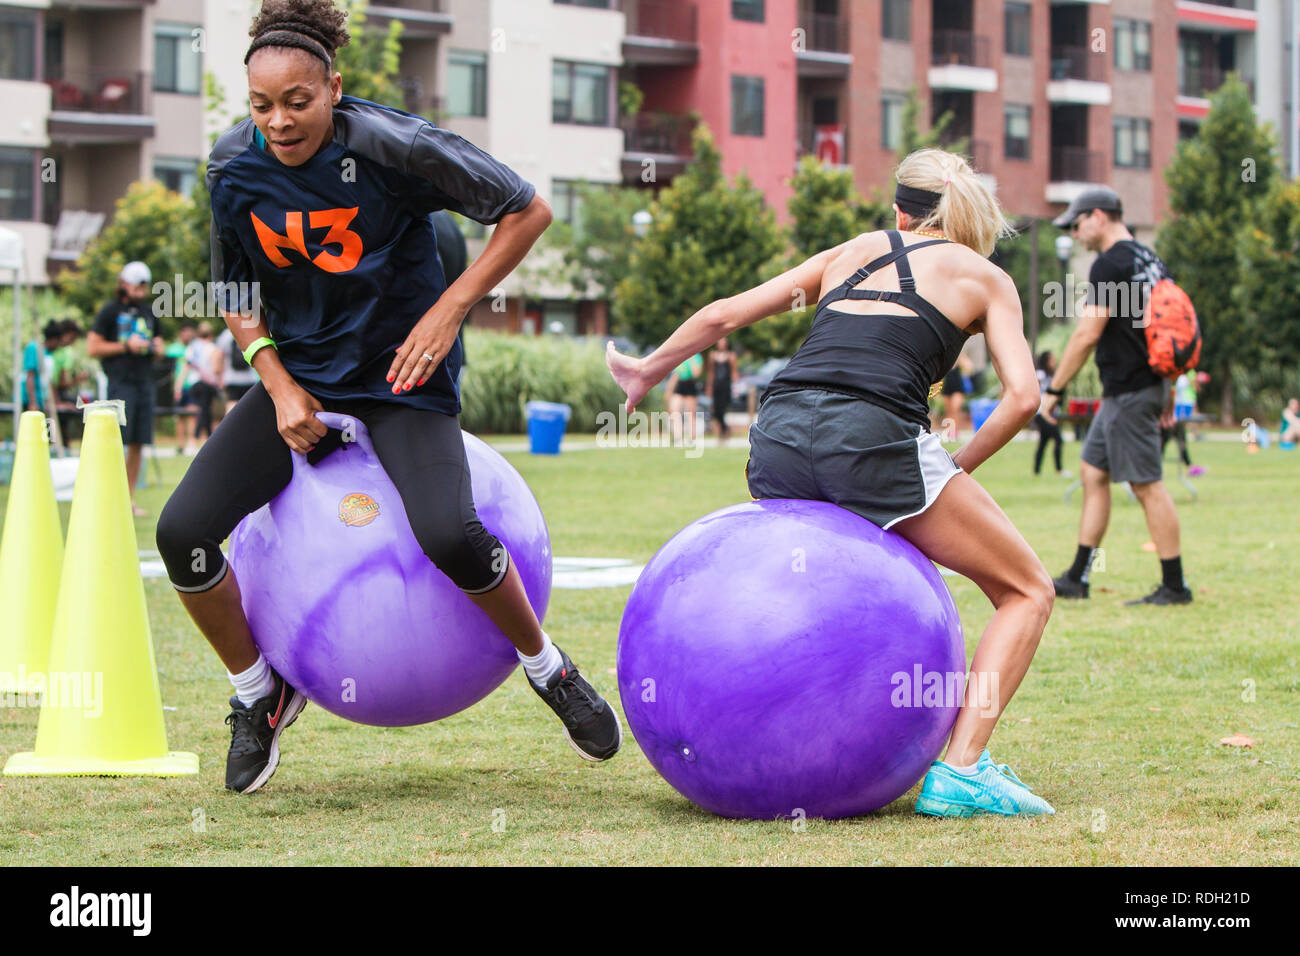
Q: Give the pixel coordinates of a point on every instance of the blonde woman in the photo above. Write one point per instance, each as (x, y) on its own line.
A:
(847, 422)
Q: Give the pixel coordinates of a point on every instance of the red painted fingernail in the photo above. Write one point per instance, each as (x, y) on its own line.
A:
(406, 387)
(421, 381)
(391, 377)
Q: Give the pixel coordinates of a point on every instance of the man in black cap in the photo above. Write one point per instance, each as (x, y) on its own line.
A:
(1123, 444)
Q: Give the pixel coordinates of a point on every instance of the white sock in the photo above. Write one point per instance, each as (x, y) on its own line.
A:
(253, 684)
(967, 771)
(543, 664)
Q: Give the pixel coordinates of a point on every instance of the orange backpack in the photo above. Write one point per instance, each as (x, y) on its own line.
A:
(1173, 335)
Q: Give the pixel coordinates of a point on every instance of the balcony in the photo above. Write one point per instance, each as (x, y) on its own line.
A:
(961, 60)
(825, 50)
(660, 33)
(1077, 75)
(1217, 17)
(100, 4)
(1072, 169)
(1202, 81)
(100, 106)
(664, 138)
(417, 98)
(420, 19)
(829, 143)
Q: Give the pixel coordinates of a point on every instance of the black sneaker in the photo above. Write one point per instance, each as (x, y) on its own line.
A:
(590, 724)
(1164, 595)
(255, 735)
(1067, 587)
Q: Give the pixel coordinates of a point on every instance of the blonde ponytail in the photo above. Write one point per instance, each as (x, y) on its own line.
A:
(967, 212)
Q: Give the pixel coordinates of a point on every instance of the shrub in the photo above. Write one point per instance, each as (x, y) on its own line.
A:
(506, 371)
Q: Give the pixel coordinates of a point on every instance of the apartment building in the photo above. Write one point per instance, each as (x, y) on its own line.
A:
(1049, 94)
(97, 94)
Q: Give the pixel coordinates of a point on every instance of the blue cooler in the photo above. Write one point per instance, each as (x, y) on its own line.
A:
(546, 424)
(980, 410)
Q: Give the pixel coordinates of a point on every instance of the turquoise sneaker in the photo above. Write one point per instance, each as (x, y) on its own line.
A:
(992, 788)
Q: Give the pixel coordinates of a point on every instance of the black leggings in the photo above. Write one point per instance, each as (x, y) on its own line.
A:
(1047, 432)
(246, 463)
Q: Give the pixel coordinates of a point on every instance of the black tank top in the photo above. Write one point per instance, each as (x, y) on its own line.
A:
(722, 370)
(888, 360)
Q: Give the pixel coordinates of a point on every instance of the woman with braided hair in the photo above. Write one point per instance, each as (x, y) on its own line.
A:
(331, 285)
(847, 421)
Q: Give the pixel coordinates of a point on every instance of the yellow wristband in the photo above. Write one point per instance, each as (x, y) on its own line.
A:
(256, 346)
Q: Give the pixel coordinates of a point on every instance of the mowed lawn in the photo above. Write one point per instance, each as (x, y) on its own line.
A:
(1118, 723)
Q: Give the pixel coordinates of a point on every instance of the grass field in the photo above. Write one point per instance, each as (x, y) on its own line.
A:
(1118, 723)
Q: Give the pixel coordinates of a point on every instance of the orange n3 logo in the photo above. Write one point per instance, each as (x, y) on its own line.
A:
(339, 234)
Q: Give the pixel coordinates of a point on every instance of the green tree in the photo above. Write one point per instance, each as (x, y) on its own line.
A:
(826, 209)
(1268, 298)
(914, 136)
(371, 60)
(708, 240)
(1218, 184)
(593, 254)
(151, 223)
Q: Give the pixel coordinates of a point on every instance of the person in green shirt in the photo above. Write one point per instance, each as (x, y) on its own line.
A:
(683, 397)
(36, 367)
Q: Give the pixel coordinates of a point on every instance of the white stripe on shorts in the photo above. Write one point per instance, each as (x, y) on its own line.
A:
(937, 469)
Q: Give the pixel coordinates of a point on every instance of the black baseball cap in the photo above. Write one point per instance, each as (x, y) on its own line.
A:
(1094, 197)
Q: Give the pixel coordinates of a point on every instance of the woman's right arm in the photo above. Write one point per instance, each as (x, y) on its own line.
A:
(716, 320)
(295, 407)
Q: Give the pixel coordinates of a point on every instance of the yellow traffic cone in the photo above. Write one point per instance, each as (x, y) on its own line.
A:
(31, 554)
(102, 712)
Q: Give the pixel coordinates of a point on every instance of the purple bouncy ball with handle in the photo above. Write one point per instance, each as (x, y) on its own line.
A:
(345, 605)
(782, 658)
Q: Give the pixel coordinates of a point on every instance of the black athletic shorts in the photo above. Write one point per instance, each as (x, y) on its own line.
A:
(139, 399)
(825, 446)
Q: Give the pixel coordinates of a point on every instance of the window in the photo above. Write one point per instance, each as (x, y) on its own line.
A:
(1016, 132)
(466, 83)
(178, 175)
(596, 4)
(566, 201)
(580, 93)
(1132, 45)
(891, 120)
(178, 65)
(751, 10)
(1017, 19)
(17, 172)
(747, 106)
(560, 317)
(1133, 142)
(17, 44)
(896, 20)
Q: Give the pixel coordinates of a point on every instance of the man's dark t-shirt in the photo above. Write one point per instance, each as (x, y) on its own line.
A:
(1121, 278)
(116, 323)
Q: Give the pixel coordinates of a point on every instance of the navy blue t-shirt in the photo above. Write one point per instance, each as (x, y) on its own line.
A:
(342, 247)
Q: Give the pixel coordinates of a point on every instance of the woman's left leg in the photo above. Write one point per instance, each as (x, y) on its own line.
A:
(422, 451)
(966, 531)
